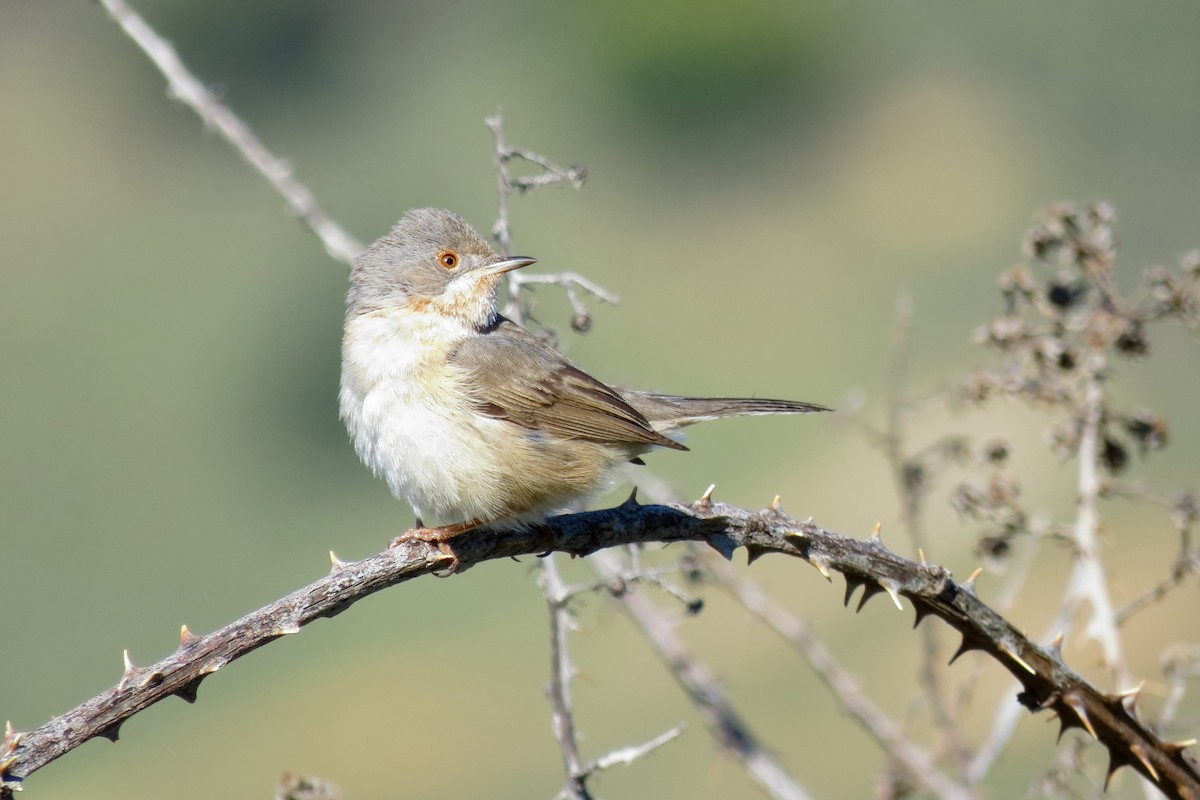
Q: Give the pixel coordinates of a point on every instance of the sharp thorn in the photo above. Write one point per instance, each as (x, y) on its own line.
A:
(1057, 645)
(893, 590)
(921, 555)
(186, 637)
(870, 589)
(112, 732)
(969, 584)
(336, 563)
(851, 585)
(1115, 762)
(1137, 750)
(1008, 651)
(775, 505)
(821, 566)
(1134, 692)
(921, 614)
(1080, 712)
(875, 534)
(966, 646)
(188, 691)
(706, 498)
(129, 667)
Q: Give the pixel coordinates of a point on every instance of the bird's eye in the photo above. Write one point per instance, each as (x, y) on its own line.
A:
(448, 259)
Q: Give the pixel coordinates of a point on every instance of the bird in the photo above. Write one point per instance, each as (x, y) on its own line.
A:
(469, 417)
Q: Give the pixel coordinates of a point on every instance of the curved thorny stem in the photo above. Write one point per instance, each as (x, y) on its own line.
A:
(868, 565)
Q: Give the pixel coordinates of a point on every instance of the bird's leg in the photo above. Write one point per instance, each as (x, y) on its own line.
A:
(440, 536)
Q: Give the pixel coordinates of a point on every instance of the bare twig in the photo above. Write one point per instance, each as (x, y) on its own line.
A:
(918, 763)
(702, 689)
(1088, 581)
(562, 672)
(912, 485)
(506, 185)
(184, 86)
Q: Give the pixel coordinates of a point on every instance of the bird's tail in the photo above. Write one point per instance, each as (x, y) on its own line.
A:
(666, 411)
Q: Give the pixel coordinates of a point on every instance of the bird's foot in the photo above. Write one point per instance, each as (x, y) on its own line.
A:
(440, 536)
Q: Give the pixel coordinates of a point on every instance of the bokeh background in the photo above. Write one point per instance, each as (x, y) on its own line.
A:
(765, 179)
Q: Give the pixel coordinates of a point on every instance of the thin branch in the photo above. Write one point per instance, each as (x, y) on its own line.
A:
(918, 763)
(562, 672)
(912, 490)
(506, 185)
(185, 87)
(1087, 580)
(702, 689)
(627, 755)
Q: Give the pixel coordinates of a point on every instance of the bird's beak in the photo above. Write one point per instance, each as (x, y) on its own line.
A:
(507, 265)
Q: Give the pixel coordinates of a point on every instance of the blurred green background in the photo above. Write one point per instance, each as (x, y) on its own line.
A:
(765, 179)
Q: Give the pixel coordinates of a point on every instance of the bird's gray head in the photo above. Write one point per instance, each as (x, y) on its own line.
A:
(432, 261)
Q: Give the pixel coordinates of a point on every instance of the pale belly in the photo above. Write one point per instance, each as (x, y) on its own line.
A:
(411, 424)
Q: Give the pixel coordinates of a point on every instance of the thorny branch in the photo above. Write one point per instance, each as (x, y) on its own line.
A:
(185, 87)
(1047, 682)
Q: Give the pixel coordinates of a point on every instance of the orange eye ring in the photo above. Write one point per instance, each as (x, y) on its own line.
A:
(448, 259)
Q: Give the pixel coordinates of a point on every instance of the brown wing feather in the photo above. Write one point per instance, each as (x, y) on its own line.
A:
(515, 376)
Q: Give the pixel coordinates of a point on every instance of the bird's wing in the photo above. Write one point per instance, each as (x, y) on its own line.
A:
(514, 376)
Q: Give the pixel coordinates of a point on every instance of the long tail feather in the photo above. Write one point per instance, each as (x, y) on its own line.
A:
(666, 411)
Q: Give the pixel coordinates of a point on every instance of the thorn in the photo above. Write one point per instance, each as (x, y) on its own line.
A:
(1134, 692)
(755, 552)
(1179, 746)
(822, 566)
(870, 589)
(922, 613)
(632, 500)
(775, 505)
(151, 679)
(8, 730)
(799, 535)
(969, 583)
(1116, 760)
(1056, 646)
(1008, 651)
(893, 590)
(921, 555)
(186, 637)
(966, 646)
(1137, 750)
(875, 534)
(129, 667)
(851, 585)
(188, 691)
(705, 500)
(1073, 703)
(112, 732)
(335, 563)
